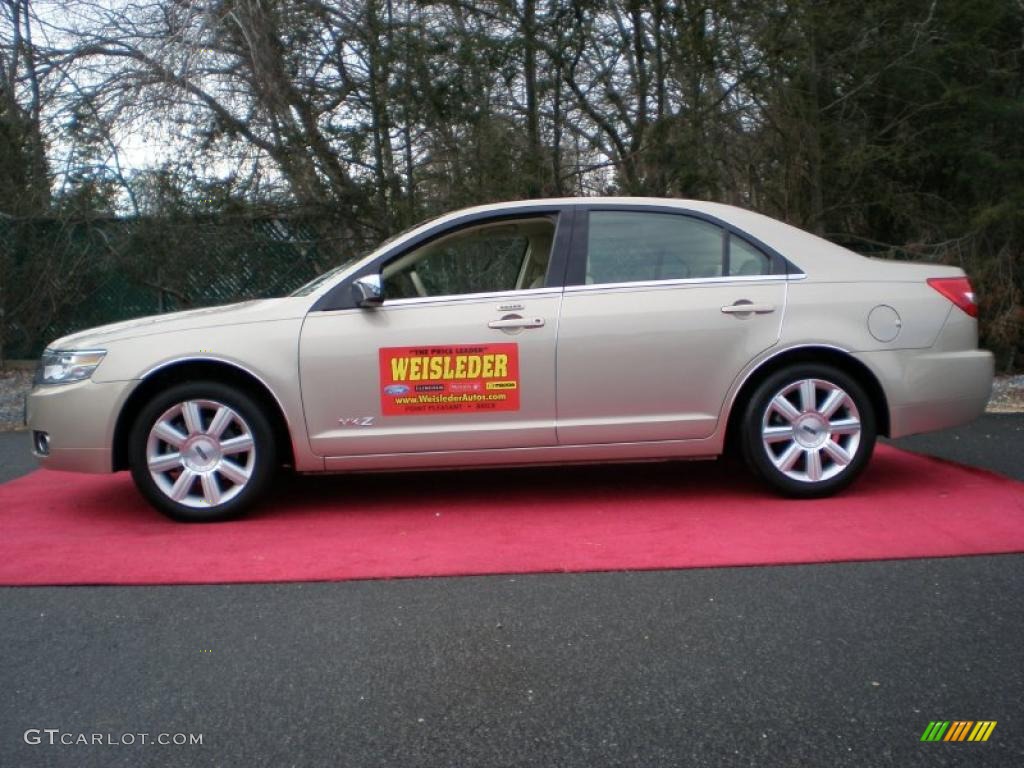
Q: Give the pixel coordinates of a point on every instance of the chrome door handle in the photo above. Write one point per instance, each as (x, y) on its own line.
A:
(517, 322)
(746, 309)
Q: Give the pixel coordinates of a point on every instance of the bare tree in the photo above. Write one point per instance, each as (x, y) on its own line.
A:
(24, 176)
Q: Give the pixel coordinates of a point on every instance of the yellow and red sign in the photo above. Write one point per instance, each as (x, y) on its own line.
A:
(449, 379)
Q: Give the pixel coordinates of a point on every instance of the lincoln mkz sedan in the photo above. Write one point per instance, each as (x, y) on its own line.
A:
(536, 332)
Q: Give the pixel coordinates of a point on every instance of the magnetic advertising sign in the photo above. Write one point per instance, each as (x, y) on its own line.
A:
(469, 378)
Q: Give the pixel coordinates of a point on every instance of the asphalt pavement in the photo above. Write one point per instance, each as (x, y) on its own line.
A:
(821, 665)
(16, 457)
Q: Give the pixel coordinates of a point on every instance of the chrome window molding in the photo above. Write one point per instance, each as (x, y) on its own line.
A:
(555, 291)
(643, 284)
(455, 298)
(483, 296)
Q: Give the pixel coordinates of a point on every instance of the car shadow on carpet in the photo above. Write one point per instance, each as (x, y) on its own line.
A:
(681, 481)
(684, 482)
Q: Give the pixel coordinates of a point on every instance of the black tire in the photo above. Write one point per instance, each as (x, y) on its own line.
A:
(239, 496)
(835, 475)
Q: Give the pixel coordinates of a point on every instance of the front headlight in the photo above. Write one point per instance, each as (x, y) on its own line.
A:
(59, 366)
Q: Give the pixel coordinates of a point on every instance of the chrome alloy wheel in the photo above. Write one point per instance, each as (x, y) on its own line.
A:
(811, 430)
(201, 453)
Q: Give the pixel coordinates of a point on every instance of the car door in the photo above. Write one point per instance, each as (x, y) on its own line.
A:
(460, 355)
(669, 309)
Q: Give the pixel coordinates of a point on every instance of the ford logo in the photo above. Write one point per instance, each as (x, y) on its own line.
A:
(395, 389)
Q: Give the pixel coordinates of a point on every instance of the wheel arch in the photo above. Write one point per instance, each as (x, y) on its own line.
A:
(191, 370)
(815, 353)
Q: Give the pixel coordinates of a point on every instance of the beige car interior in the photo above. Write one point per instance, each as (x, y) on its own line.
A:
(509, 255)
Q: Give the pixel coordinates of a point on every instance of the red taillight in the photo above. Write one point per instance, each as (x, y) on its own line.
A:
(958, 290)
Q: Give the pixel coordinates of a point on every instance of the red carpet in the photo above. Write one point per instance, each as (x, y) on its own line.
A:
(58, 528)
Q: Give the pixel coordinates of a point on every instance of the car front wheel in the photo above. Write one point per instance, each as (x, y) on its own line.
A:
(808, 430)
(201, 452)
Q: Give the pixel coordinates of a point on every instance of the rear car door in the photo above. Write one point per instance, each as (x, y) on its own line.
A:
(460, 355)
(668, 309)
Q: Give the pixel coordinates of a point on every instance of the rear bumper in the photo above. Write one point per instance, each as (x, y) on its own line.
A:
(929, 390)
(79, 419)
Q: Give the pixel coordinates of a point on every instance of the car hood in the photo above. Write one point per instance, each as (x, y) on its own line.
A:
(254, 311)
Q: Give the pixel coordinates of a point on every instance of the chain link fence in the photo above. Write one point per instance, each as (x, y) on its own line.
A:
(58, 276)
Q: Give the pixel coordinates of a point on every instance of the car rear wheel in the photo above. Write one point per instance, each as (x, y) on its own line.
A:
(201, 452)
(808, 430)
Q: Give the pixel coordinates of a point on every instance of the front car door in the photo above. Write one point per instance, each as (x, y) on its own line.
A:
(668, 309)
(460, 355)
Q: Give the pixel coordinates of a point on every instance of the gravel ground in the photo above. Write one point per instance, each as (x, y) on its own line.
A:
(14, 384)
(1007, 396)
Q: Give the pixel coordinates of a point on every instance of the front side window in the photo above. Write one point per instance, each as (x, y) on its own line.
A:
(634, 246)
(487, 258)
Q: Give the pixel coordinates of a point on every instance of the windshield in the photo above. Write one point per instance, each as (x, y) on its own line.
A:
(316, 282)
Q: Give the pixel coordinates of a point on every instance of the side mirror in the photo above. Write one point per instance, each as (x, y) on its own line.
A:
(368, 291)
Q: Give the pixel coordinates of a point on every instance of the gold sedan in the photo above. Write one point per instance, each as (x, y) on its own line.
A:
(535, 332)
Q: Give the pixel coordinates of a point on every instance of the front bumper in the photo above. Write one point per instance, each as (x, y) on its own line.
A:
(80, 419)
(929, 390)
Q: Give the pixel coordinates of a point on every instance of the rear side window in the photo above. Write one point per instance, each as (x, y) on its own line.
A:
(629, 246)
(746, 260)
(634, 246)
